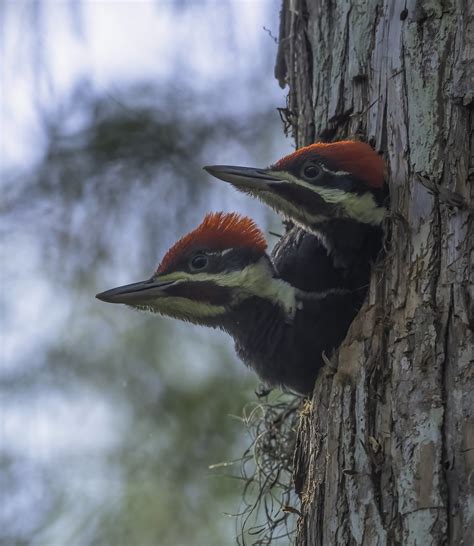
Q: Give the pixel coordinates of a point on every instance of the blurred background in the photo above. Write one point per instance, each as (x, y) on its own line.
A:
(110, 420)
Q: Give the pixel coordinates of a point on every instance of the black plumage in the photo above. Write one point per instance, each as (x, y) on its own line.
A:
(283, 312)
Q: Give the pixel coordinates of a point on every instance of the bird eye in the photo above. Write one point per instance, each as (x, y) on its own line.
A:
(311, 171)
(199, 261)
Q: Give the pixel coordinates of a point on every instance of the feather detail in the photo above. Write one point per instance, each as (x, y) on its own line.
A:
(355, 157)
(218, 231)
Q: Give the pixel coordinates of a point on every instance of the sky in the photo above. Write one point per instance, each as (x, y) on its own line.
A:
(46, 50)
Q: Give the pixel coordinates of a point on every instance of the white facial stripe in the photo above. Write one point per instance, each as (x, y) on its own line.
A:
(360, 207)
(338, 173)
(183, 308)
(255, 279)
(302, 296)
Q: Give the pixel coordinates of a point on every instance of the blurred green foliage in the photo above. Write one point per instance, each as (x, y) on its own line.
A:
(109, 191)
(110, 419)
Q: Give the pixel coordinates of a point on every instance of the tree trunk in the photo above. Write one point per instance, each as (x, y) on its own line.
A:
(385, 456)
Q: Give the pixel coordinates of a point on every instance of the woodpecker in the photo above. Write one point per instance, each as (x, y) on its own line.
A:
(220, 275)
(334, 191)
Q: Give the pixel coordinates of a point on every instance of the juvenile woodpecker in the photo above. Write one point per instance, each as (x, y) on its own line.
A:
(220, 276)
(334, 191)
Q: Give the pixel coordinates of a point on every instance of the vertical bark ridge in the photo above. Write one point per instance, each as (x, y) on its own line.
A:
(385, 454)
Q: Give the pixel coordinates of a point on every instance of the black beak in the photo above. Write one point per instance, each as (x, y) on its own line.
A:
(244, 178)
(136, 293)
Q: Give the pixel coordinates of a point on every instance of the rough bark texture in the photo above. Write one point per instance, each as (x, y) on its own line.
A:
(386, 454)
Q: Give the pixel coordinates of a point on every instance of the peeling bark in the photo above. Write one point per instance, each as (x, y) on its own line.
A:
(386, 454)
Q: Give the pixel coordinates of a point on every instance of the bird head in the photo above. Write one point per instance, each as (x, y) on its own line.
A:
(317, 183)
(207, 273)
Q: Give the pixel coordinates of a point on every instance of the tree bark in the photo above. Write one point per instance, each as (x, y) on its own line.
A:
(385, 456)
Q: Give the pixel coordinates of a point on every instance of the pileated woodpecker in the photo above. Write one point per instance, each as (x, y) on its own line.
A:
(282, 314)
(334, 191)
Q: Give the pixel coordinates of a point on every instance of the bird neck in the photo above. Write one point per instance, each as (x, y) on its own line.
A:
(260, 330)
(260, 280)
(349, 242)
(264, 308)
(287, 351)
(257, 283)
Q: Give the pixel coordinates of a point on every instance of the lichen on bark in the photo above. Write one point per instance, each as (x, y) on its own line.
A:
(387, 453)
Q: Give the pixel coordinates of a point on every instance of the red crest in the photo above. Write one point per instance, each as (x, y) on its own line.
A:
(355, 157)
(218, 231)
